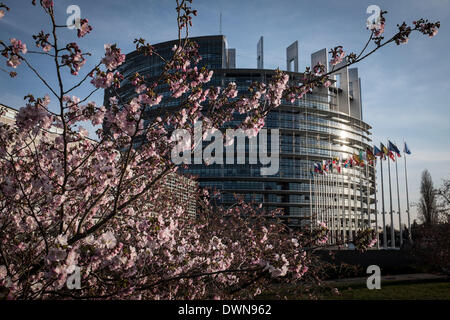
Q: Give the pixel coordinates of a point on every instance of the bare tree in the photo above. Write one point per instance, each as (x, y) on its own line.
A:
(443, 201)
(428, 212)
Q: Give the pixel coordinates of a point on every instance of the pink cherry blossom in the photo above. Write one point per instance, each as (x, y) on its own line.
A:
(48, 4)
(47, 48)
(379, 29)
(337, 55)
(103, 80)
(3, 273)
(113, 57)
(84, 29)
(13, 61)
(18, 46)
(108, 240)
(319, 69)
(74, 60)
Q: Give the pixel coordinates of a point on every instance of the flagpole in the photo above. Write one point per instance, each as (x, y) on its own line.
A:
(329, 222)
(382, 206)
(344, 223)
(336, 213)
(310, 205)
(376, 204)
(327, 193)
(319, 199)
(337, 222)
(369, 222)
(407, 202)
(350, 219)
(361, 197)
(322, 199)
(330, 209)
(338, 207)
(325, 201)
(355, 205)
(398, 199)
(315, 197)
(390, 202)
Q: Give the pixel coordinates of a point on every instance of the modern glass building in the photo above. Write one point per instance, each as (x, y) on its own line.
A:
(323, 125)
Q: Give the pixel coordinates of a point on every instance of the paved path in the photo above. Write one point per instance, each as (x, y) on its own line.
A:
(389, 278)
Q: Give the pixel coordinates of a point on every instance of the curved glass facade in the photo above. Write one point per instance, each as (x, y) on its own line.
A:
(311, 130)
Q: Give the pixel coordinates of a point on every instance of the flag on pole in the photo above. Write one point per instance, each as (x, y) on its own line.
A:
(316, 168)
(392, 156)
(324, 167)
(406, 149)
(378, 152)
(384, 149)
(392, 147)
(356, 158)
(387, 152)
(362, 155)
(369, 154)
(347, 163)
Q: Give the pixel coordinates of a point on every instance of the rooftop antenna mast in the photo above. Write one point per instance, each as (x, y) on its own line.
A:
(220, 24)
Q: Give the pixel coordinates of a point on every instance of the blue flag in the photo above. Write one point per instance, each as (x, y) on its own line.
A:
(406, 149)
(377, 152)
(392, 147)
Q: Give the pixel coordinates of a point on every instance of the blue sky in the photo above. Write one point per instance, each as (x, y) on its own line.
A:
(404, 88)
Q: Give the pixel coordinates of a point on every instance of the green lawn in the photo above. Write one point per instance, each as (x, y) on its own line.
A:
(404, 290)
(430, 290)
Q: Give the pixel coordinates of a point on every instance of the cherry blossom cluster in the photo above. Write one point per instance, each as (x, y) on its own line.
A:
(422, 25)
(35, 115)
(337, 55)
(42, 41)
(18, 47)
(321, 232)
(403, 34)
(187, 76)
(428, 28)
(78, 112)
(113, 57)
(84, 28)
(185, 14)
(47, 4)
(378, 28)
(365, 239)
(319, 69)
(74, 59)
(105, 80)
(13, 51)
(143, 47)
(138, 254)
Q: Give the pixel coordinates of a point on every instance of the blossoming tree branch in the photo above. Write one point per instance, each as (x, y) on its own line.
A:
(69, 202)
